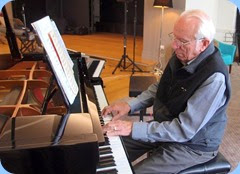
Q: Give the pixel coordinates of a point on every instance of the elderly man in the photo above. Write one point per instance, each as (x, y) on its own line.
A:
(189, 103)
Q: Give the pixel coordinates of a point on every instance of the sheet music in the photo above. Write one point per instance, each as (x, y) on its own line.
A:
(60, 41)
(57, 54)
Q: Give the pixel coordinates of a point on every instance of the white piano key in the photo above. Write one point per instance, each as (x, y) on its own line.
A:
(106, 168)
(99, 68)
(100, 96)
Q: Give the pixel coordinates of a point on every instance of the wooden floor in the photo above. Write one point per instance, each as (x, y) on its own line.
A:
(110, 47)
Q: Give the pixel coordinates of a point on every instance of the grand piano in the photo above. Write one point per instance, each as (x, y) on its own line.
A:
(40, 132)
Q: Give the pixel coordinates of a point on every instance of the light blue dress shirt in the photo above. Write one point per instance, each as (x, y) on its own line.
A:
(200, 108)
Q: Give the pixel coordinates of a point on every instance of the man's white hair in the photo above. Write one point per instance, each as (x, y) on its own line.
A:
(206, 28)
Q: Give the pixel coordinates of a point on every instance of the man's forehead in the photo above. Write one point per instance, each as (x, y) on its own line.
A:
(186, 27)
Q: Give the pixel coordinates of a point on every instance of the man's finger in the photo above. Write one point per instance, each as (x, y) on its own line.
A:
(116, 117)
(113, 133)
(106, 111)
(107, 127)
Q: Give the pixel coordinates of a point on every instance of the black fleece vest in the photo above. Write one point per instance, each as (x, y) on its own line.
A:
(177, 85)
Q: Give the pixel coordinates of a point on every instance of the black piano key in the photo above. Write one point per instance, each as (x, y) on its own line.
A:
(108, 171)
(104, 151)
(106, 141)
(106, 158)
(93, 67)
(107, 161)
(106, 164)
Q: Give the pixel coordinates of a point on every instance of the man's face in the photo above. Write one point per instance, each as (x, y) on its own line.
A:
(184, 43)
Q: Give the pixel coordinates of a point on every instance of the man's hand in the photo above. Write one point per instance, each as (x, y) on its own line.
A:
(118, 110)
(118, 127)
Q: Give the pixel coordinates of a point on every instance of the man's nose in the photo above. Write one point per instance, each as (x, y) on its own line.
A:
(174, 45)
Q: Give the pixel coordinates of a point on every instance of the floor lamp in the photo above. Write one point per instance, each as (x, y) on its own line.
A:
(161, 4)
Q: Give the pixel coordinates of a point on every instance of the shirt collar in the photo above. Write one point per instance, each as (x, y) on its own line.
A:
(192, 65)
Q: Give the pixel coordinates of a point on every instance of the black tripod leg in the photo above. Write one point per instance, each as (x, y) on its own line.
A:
(134, 39)
(124, 56)
(118, 65)
(139, 69)
(124, 40)
(134, 64)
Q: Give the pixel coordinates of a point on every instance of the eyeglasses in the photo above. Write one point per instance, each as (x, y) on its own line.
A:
(179, 42)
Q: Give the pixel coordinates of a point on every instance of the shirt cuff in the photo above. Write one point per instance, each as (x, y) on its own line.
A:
(133, 104)
(139, 131)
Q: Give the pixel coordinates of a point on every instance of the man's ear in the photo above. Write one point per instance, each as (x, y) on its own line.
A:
(205, 43)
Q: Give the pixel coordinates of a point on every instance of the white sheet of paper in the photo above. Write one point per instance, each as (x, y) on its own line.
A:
(57, 55)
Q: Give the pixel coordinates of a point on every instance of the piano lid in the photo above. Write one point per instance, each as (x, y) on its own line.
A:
(26, 145)
(39, 131)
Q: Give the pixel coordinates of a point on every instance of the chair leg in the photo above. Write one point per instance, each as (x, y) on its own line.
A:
(141, 116)
(142, 113)
(230, 69)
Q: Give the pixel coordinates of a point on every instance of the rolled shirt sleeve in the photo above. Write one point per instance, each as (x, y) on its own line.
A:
(145, 99)
(209, 97)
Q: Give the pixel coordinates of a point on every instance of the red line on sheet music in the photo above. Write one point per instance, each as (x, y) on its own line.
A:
(50, 37)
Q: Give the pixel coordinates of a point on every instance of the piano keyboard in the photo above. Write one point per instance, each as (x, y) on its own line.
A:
(113, 157)
(95, 67)
(99, 68)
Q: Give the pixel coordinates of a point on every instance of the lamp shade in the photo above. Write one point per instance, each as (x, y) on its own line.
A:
(162, 3)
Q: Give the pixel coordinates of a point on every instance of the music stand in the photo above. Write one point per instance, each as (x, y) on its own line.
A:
(125, 56)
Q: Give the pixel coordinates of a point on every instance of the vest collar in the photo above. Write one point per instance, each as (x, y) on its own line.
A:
(191, 67)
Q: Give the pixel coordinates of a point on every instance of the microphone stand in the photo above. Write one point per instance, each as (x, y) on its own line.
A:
(125, 56)
(134, 38)
(24, 16)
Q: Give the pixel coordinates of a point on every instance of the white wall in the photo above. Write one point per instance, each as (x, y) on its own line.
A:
(208, 6)
(226, 22)
(151, 31)
(222, 12)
